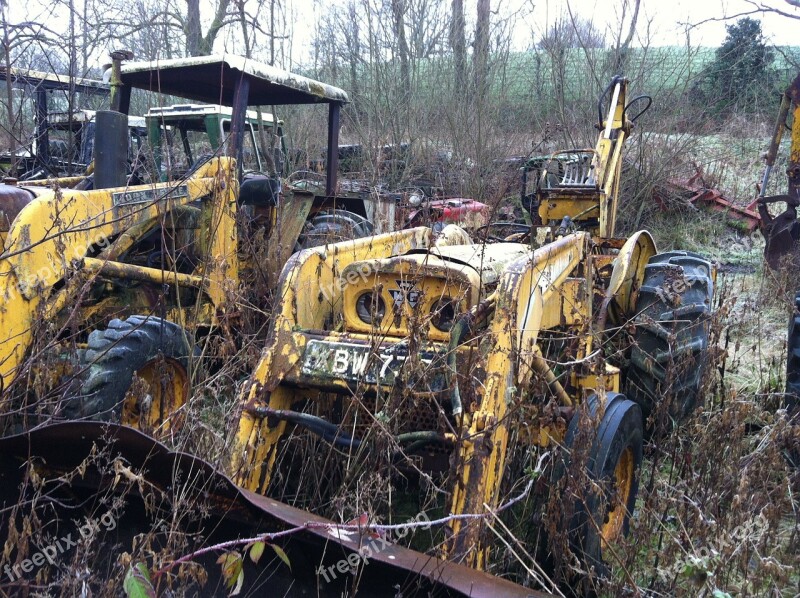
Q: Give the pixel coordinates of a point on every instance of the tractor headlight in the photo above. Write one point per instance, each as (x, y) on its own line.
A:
(443, 313)
(370, 307)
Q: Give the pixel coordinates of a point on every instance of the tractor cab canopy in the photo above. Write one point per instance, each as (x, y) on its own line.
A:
(192, 132)
(39, 84)
(40, 80)
(71, 139)
(236, 82)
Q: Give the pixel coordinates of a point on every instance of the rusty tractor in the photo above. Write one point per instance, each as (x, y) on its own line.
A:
(116, 283)
(456, 360)
(531, 367)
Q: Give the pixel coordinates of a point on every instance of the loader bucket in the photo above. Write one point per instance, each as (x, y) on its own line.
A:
(781, 232)
(58, 481)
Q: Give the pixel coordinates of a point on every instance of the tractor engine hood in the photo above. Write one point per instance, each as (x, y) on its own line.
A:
(422, 290)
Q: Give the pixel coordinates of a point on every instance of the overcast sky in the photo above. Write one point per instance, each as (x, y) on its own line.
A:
(667, 19)
(661, 22)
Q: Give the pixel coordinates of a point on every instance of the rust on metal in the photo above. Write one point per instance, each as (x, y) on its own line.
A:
(318, 545)
(782, 232)
(697, 192)
(141, 273)
(12, 200)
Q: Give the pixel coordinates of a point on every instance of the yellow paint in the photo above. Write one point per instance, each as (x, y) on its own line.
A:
(547, 291)
(406, 301)
(311, 292)
(53, 234)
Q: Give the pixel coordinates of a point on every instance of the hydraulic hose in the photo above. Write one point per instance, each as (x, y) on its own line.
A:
(331, 433)
(326, 430)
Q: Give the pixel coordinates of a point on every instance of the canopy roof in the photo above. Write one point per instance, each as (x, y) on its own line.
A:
(211, 79)
(50, 81)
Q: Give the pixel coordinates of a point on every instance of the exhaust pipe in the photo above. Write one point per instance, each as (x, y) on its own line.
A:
(110, 149)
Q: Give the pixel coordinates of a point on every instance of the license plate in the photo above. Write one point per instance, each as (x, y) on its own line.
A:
(357, 363)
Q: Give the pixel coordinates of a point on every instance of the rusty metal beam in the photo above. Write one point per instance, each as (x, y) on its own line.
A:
(141, 273)
(319, 545)
(333, 149)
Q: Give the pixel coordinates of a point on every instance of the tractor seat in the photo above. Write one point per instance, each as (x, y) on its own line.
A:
(579, 172)
(259, 190)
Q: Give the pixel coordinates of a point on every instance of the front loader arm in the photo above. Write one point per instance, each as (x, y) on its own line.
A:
(529, 301)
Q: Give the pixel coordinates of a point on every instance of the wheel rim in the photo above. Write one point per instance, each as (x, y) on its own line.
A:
(164, 390)
(622, 481)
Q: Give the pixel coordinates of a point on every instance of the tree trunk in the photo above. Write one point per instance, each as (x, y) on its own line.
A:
(458, 43)
(398, 14)
(621, 54)
(481, 53)
(198, 44)
(243, 24)
(193, 35)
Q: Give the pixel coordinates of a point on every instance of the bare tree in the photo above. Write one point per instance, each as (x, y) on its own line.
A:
(198, 44)
(458, 43)
(398, 20)
(568, 32)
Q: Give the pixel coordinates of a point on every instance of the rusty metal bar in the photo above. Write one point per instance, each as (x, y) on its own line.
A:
(132, 272)
(241, 96)
(333, 149)
(120, 93)
(62, 182)
(42, 134)
(540, 367)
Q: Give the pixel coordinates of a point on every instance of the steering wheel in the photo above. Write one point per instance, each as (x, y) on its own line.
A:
(482, 232)
(306, 179)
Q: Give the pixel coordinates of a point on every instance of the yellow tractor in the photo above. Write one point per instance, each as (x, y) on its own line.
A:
(114, 283)
(464, 361)
(467, 371)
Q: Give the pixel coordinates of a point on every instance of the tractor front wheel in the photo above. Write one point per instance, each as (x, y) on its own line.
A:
(136, 373)
(604, 463)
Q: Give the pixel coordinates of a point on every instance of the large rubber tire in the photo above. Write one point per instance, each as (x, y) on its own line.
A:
(333, 226)
(792, 402)
(601, 513)
(151, 348)
(670, 349)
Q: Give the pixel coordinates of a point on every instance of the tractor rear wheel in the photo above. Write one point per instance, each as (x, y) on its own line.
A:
(136, 374)
(792, 399)
(333, 226)
(670, 344)
(793, 360)
(602, 510)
